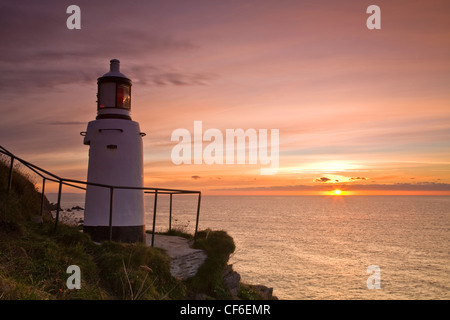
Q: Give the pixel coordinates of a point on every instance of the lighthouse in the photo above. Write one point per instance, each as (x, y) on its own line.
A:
(116, 160)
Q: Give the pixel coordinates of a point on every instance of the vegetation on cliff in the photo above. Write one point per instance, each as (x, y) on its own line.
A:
(34, 258)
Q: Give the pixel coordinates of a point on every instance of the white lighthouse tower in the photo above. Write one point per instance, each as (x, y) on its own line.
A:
(115, 159)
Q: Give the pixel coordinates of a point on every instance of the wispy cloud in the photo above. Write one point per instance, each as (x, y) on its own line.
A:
(425, 186)
(42, 53)
(63, 123)
(322, 180)
(358, 178)
(167, 76)
(340, 94)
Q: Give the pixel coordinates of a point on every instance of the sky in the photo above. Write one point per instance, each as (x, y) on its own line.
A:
(365, 111)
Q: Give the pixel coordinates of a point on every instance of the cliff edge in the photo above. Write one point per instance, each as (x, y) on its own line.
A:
(35, 259)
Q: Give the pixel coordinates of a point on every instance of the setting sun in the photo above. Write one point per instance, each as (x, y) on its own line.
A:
(337, 192)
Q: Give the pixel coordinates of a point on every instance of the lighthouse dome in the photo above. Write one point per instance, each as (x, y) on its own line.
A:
(114, 70)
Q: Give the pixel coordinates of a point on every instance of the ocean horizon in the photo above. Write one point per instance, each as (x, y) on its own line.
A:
(323, 247)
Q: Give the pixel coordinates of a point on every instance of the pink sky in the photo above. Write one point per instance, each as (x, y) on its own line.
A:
(365, 107)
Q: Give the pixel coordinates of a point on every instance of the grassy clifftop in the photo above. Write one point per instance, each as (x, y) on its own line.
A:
(34, 259)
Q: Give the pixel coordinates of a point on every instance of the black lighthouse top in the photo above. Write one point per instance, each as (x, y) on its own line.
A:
(114, 94)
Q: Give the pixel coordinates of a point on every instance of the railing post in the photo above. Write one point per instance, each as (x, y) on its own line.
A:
(170, 213)
(111, 201)
(198, 214)
(154, 217)
(42, 196)
(58, 205)
(10, 173)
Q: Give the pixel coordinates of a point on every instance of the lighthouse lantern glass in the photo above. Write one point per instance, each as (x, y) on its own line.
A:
(123, 96)
(106, 95)
(114, 95)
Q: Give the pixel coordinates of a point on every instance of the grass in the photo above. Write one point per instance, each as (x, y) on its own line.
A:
(209, 278)
(218, 246)
(34, 258)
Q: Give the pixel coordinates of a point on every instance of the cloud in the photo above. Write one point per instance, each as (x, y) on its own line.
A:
(424, 186)
(322, 179)
(166, 76)
(195, 177)
(40, 52)
(181, 79)
(63, 123)
(358, 178)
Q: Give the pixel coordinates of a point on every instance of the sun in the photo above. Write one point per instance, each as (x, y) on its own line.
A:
(337, 192)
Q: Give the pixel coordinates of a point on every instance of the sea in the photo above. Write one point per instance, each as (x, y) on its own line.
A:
(323, 247)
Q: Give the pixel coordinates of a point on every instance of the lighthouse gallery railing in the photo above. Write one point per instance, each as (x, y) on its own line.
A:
(48, 176)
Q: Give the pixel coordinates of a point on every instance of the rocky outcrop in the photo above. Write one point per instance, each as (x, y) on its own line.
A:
(185, 260)
(231, 280)
(266, 293)
(184, 267)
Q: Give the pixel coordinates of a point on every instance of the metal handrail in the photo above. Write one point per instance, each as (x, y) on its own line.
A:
(46, 175)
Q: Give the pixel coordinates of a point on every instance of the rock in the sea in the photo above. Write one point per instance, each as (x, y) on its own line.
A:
(53, 206)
